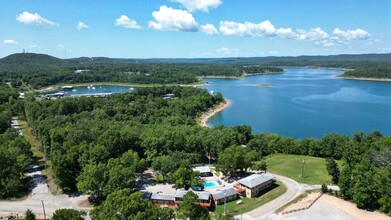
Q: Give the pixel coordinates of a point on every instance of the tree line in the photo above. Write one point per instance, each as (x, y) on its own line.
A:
(39, 70)
(378, 72)
(15, 153)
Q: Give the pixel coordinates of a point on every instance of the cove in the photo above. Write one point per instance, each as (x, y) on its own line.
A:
(304, 102)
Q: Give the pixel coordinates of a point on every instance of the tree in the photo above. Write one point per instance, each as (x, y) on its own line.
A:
(332, 169)
(189, 208)
(260, 165)
(93, 179)
(123, 204)
(365, 193)
(346, 182)
(234, 158)
(185, 177)
(383, 184)
(29, 215)
(68, 214)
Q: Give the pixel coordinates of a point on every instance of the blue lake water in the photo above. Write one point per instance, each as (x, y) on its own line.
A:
(302, 102)
(305, 102)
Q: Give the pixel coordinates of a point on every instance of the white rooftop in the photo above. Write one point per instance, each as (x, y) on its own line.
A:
(224, 192)
(255, 180)
(204, 169)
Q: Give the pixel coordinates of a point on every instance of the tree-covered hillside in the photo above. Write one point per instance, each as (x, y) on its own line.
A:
(376, 73)
(38, 70)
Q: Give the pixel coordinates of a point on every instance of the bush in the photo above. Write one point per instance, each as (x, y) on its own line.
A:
(324, 188)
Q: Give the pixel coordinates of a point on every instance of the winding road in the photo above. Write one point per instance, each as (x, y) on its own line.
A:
(266, 211)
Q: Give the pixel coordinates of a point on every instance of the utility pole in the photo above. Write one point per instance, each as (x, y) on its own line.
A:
(302, 170)
(43, 207)
(225, 200)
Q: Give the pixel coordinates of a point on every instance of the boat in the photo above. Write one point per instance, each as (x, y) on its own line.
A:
(67, 87)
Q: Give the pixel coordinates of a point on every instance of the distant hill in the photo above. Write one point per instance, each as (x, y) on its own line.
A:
(40, 70)
(26, 61)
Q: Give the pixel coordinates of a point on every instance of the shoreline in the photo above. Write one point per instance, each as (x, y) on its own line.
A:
(204, 119)
(365, 79)
(58, 86)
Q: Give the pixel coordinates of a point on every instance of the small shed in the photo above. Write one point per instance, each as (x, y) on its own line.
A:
(204, 171)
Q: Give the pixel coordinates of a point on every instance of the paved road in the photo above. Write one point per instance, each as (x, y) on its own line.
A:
(294, 189)
(40, 192)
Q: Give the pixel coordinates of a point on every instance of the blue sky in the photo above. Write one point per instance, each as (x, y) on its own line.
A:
(194, 28)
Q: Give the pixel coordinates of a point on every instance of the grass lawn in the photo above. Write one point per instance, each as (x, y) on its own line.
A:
(290, 166)
(250, 204)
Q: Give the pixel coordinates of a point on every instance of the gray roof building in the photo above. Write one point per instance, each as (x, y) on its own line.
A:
(224, 192)
(204, 169)
(202, 195)
(163, 196)
(255, 180)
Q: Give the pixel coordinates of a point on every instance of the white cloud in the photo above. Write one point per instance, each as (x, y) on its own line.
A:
(231, 28)
(60, 47)
(227, 51)
(209, 29)
(315, 34)
(223, 50)
(273, 52)
(286, 33)
(10, 42)
(81, 25)
(358, 34)
(199, 5)
(168, 19)
(126, 22)
(30, 18)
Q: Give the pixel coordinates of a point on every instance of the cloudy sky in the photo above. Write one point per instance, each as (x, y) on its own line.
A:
(194, 28)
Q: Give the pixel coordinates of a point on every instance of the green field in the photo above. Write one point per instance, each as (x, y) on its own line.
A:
(290, 166)
(250, 204)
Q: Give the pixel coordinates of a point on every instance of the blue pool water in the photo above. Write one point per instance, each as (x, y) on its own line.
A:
(209, 184)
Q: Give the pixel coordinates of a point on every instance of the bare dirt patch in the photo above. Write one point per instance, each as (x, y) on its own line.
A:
(304, 203)
(352, 210)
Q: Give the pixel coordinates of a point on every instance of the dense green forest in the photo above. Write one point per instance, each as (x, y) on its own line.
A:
(99, 146)
(379, 73)
(14, 149)
(39, 70)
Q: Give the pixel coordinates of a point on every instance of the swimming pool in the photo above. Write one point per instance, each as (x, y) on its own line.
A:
(210, 184)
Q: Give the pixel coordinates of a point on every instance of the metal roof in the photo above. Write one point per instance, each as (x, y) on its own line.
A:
(204, 169)
(224, 192)
(163, 196)
(203, 195)
(255, 180)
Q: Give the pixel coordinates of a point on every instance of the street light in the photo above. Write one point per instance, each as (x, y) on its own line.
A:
(43, 207)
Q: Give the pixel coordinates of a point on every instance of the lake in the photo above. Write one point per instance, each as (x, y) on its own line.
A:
(302, 102)
(305, 102)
